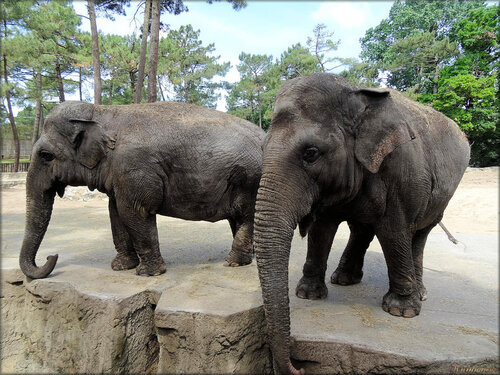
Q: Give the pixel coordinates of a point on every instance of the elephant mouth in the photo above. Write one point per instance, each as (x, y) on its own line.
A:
(306, 223)
(60, 188)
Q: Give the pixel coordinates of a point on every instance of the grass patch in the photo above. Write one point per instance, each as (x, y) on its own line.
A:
(11, 161)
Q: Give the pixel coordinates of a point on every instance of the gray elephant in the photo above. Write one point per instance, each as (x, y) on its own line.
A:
(372, 157)
(166, 158)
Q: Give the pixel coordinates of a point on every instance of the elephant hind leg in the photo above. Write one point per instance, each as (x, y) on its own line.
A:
(418, 244)
(126, 257)
(241, 252)
(350, 268)
(403, 297)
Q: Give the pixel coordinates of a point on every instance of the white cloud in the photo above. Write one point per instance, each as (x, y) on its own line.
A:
(346, 15)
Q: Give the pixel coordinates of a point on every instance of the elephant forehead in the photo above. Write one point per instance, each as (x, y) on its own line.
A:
(73, 109)
(295, 134)
(284, 106)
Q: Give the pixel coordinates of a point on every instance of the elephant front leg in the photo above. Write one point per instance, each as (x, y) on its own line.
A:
(144, 235)
(242, 248)
(126, 258)
(350, 268)
(403, 297)
(319, 243)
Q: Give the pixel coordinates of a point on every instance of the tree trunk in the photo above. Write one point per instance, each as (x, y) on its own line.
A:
(38, 108)
(161, 89)
(318, 56)
(142, 57)
(10, 114)
(260, 109)
(95, 53)
(60, 85)
(80, 83)
(111, 92)
(436, 76)
(132, 81)
(186, 92)
(153, 51)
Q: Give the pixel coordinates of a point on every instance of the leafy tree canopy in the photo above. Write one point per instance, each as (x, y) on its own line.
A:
(445, 54)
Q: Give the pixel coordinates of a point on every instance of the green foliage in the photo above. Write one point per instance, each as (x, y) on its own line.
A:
(321, 44)
(297, 61)
(46, 35)
(120, 59)
(468, 88)
(422, 54)
(252, 98)
(190, 67)
(109, 7)
(237, 4)
(410, 23)
(24, 122)
(249, 92)
(360, 73)
(444, 53)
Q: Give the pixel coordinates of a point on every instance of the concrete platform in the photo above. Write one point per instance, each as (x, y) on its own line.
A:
(201, 317)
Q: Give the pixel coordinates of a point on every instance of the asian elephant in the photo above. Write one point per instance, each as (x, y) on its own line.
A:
(166, 158)
(372, 157)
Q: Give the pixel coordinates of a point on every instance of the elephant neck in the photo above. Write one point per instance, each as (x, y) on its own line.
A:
(98, 177)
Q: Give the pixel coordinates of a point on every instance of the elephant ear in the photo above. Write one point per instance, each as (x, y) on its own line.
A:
(382, 126)
(90, 142)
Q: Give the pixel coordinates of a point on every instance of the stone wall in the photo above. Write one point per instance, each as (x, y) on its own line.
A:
(54, 328)
(58, 325)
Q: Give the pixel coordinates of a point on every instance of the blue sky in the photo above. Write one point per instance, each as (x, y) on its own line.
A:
(263, 27)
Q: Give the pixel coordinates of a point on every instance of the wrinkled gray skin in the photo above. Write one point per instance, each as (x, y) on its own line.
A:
(371, 157)
(171, 159)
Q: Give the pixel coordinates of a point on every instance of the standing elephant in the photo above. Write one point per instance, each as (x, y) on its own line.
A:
(167, 158)
(371, 157)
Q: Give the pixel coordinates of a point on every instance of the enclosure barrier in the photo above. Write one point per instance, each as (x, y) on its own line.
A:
(9, 167)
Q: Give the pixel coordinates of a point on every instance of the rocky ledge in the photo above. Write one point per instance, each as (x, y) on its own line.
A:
(201, 317)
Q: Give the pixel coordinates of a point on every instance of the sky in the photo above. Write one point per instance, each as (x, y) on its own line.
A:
(263, 27)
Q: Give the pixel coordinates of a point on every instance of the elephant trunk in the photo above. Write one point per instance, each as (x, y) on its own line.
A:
(275, 220)
(39, 202)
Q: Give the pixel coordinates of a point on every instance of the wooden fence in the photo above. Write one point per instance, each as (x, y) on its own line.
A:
(9, 167)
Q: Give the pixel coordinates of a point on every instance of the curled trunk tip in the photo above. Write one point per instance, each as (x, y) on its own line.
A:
(291, 370)
(31, 270)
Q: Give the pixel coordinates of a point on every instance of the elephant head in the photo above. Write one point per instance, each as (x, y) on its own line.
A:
(70, 147)
(326, 134)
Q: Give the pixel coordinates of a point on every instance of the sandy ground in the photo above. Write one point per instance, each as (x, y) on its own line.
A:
(473, 208)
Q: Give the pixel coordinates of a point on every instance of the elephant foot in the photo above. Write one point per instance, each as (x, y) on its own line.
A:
(398, 305)
(235, 259)
(151, 268)
(343, 277)
(311, 288)
(125, 261)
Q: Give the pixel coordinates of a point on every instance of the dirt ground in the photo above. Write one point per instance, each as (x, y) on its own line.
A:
(473, 208)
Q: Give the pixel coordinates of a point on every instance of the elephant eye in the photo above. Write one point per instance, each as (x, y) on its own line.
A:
(310, 155)
(47, 156)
